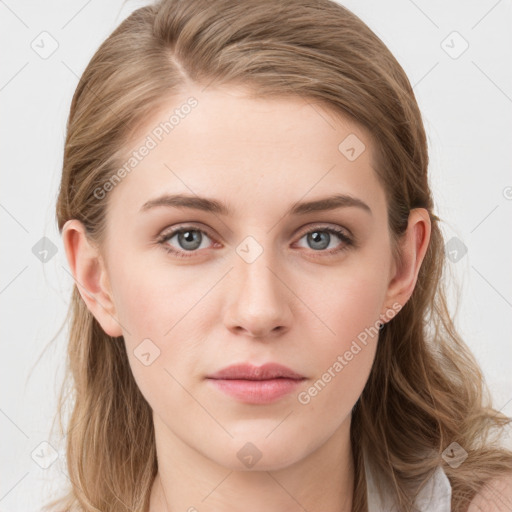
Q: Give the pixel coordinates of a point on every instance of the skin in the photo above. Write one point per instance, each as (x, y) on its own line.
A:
(294, 304)
(495, 496)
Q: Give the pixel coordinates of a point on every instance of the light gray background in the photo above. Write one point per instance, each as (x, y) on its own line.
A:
(466, 101)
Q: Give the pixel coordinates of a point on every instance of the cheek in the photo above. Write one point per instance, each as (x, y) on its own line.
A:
(150, 299)
(155, 306)
(350, 307)
(343, 362)
(350, 299)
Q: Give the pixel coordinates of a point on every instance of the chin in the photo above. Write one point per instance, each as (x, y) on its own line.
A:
(264, 455)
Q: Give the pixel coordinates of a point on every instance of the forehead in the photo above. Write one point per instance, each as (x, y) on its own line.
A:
(248, 152)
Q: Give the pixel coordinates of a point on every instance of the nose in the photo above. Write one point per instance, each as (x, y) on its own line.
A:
(259, 299)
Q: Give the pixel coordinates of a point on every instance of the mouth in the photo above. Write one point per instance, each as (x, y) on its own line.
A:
(256, 385)
(246, 371)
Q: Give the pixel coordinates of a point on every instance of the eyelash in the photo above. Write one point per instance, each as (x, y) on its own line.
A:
(165, 237)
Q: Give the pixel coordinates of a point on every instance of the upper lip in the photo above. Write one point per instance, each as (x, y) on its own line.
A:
(250, 372)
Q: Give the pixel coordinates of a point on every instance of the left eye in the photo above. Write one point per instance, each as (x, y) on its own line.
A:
(320, 238)
(190, 240)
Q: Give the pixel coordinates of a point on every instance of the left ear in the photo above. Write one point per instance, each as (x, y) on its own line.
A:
(413, 246)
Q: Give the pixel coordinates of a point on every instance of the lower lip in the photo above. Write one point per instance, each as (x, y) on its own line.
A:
(256, 391)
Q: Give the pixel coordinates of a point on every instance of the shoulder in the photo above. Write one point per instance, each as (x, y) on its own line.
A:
(495, 496)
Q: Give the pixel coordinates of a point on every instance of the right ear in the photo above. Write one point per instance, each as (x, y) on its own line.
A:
(90, 275)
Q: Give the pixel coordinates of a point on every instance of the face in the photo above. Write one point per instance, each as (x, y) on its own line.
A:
(256, 283)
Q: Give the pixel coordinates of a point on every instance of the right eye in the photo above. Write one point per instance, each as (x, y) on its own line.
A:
(188, 238)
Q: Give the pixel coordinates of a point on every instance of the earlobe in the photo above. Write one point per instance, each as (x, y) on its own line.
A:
(413, 247)
(90, 275)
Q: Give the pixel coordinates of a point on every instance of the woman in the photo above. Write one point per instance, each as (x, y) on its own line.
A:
(259, 319)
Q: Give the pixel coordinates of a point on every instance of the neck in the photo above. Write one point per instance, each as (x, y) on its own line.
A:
(189, 481)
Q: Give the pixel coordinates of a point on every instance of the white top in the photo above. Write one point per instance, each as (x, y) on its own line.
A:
(434, 497)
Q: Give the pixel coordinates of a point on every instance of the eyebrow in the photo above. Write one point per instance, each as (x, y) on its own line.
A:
(212, 205)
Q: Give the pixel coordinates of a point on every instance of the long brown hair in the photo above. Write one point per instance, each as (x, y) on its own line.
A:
(425, 390)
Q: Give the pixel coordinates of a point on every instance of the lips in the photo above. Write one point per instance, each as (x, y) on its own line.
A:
(250, 372)
(256, 385)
